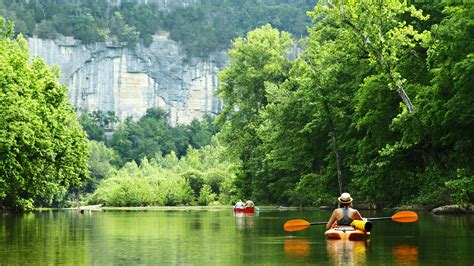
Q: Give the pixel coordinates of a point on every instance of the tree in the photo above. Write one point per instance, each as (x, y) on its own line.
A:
(43, 148)
(101, 161)
(381, 32)
(201, 132)
(254, 61)
(206, 195)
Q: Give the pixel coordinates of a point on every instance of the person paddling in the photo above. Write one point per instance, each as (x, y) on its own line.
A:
(345, 214)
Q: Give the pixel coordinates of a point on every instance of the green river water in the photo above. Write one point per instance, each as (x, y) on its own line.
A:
(219, 237)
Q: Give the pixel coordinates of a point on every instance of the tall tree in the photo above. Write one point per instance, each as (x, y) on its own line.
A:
(254, 61)
(43, 148)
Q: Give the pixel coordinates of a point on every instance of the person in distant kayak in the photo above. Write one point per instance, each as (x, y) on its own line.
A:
(345, 214)
(249, 204)
(239, 204)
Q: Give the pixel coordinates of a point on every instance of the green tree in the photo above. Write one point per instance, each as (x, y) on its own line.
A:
(381, 33)
(94, 131)
(97, 122)
(44, 150)
(206, 196)
(442, 130)
(101, 163)
(254, 61)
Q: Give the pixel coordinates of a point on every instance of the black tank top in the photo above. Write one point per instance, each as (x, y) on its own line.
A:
(346, 220)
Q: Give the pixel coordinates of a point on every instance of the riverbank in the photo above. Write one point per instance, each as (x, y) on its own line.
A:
(159, 208)
(464, 208)
(447, 209)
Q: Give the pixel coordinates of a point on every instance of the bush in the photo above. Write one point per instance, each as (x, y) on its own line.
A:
(176, 192)
(206, 196)
(461, 189)
(311, 190)
(195, 179)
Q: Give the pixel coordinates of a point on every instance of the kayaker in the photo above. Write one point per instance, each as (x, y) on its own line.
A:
(249, 204)
(345, 214)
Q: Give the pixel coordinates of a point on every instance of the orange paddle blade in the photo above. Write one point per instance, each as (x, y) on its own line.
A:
(296, 225)
(405, 217)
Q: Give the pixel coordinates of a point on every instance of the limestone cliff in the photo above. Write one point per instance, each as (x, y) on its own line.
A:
(129, 81)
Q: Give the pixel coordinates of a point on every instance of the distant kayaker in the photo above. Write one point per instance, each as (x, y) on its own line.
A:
(249, 204)
(239, 204)
(345, 214)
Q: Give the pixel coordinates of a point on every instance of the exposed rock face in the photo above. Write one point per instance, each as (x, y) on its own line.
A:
(129, 81)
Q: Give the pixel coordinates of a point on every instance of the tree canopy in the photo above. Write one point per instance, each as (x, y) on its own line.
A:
(43, 147)
(201, 28)
(379, 103)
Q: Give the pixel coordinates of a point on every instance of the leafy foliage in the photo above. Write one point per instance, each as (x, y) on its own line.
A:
(96, 123)
(201, 28)
(43, 148)
(199, 177)
(152, 135)
(254, 62)
(206, 196)
(340, 114)
(379, 103)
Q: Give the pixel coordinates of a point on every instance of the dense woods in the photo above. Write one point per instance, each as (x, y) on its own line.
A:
(201, 29)
(378, 103)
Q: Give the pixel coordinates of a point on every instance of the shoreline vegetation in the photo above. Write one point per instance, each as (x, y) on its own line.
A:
(377, 103)
(454, 209)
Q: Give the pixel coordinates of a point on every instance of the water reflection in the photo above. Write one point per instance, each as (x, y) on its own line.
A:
(405, 254)
(243, 214)
(347, 252)
(297, 247)
(244, 221)
(222, 238)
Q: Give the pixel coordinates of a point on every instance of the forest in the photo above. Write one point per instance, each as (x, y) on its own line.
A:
(379, 103)
(200, 29)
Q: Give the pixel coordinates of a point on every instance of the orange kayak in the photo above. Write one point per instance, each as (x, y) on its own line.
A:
(346, 233)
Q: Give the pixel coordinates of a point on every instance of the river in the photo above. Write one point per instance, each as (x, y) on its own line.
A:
(220, 237)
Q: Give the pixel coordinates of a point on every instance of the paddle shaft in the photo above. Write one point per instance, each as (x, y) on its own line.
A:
(318, 223)
(379, 218)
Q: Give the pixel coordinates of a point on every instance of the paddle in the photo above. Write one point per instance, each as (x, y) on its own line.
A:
(297, 225)
(401, 217)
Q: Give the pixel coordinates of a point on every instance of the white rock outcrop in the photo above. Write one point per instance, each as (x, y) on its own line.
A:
(129, 81)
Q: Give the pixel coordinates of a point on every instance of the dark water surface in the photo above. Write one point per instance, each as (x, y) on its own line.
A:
(204, 237)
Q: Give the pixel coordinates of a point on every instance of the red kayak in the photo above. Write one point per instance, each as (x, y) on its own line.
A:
(245, 210)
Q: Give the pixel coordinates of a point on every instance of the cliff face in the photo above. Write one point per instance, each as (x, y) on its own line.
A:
(129, 81)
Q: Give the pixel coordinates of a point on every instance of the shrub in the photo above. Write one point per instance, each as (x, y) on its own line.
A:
(206, 196)
(461, 189)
